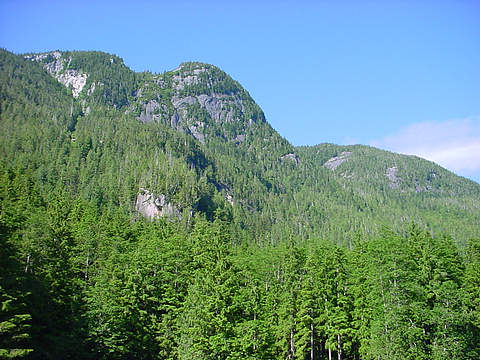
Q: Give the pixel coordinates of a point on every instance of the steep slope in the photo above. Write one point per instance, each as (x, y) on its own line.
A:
(193, 140)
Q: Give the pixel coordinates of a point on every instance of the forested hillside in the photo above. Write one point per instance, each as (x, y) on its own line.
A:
(160, 216)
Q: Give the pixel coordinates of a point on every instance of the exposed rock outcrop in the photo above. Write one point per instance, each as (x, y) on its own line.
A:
(74, 80)
(336, 161)
(180, 81)
(57, 66)
(220, 109)
(153, 207)
(290, 157)
(196, 130)
(240, 138)
(197, 99)
(391, 174)
(150, 112)
(226, 191)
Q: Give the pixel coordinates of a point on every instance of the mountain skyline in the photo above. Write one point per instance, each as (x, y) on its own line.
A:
(371, 73)
(217, 131)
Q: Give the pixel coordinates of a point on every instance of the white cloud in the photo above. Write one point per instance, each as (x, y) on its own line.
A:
(453, 144)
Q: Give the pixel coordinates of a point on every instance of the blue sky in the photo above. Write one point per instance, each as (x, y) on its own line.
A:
(400, 75)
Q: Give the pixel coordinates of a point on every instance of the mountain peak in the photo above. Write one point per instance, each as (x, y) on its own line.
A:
(196, 78)
(199, 99)
(195, 65)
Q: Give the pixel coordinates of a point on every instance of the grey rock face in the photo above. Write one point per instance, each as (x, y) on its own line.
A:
(226, 191)
(179, 102)
(426, 187)
(180, 81)
(192, 112)
(220, 107)
(149, 113)
(418, 187)
(74, 80)
(240, 138)
(152, 110)
(153, 207)
(336, 161)
(391, 174)
(196, 131)
(174, 120)
(145, 205)
(290, 157)
(70, 78)
(91, 90)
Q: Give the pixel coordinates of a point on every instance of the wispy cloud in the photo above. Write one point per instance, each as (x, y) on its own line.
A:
(453, 144)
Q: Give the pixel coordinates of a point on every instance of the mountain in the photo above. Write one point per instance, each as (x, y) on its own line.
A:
(195, 138)
(161, 216)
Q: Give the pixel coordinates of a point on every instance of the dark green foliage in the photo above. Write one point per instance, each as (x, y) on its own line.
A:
(15, 321)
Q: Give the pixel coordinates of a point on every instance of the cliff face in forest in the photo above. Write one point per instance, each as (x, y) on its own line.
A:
(58, 67)
(200, 100)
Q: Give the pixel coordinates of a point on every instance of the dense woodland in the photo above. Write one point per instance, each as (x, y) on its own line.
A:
(270, 256)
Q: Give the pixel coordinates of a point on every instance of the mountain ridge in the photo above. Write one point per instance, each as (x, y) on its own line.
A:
(224, 134)
(194, 66)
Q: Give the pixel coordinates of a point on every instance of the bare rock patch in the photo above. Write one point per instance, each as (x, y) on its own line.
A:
(336, 161)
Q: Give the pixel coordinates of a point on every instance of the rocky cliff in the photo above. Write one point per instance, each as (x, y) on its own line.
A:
(199, 99)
